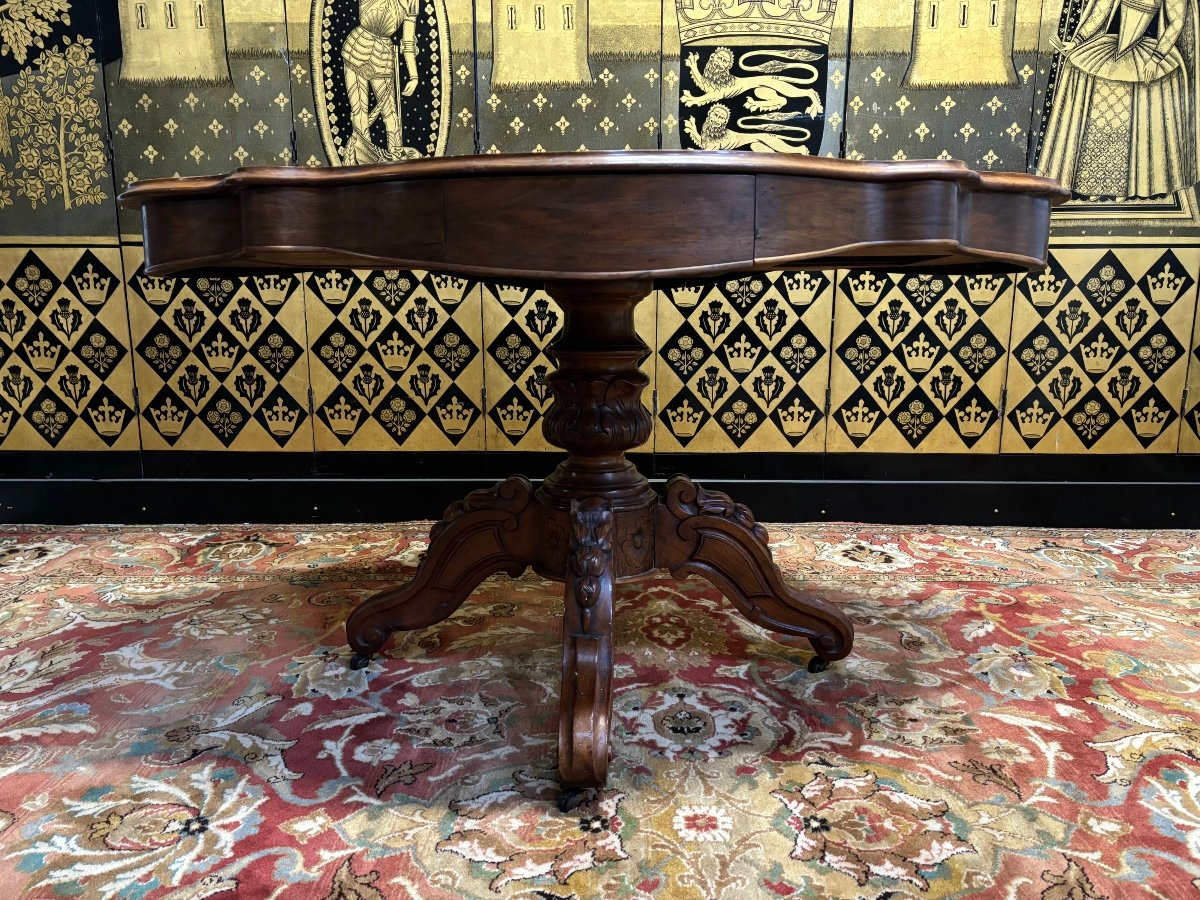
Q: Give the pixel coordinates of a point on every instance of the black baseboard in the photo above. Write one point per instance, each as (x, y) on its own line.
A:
(1057, 503)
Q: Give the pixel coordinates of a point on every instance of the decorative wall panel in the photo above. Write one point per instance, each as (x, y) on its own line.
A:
(1099, 353)
(219, 360)
(396, 360)
(66, 381)
(743, 363)
(918, 362)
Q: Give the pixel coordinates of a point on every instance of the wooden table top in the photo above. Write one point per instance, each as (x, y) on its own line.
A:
(601, 216)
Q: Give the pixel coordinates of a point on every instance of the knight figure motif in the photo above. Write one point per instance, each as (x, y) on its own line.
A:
(371, 63)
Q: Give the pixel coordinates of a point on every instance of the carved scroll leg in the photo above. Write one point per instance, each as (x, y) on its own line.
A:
(586, 700)
(493, 530)
(707, 533)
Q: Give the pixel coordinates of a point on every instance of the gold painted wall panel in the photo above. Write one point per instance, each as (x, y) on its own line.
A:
(918, 362)
(1099, 355)
(219, 360)
(66, 380)
(743, 364)
(395, 360)
(265, 82)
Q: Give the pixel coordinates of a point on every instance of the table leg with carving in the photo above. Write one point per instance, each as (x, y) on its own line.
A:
(493, 530)
(707, 533)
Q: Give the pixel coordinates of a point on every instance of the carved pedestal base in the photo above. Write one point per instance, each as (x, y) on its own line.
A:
(594, 520)
(510, 527)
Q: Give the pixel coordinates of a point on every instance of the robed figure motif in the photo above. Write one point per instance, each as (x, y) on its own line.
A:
(1123, 119)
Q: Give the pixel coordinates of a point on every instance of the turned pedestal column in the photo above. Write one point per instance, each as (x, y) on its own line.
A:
(594, 521)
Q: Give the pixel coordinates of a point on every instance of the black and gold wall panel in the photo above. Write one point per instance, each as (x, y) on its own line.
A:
(219, 360)
(743, 363)
(66, 378)
(1100, 351)
(395, 359)
(1100, 355)
(918, 362)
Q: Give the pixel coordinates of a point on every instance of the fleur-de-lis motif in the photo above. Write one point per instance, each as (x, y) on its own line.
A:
(713, 386)
(250, 385)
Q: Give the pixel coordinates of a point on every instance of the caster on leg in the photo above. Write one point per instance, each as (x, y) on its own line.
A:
(359, 661)
(818, 664)
(569, 798)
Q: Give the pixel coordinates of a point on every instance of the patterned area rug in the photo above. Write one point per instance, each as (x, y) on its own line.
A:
(1018, 719)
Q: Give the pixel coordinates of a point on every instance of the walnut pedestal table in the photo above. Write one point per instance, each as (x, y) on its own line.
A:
(598, 229)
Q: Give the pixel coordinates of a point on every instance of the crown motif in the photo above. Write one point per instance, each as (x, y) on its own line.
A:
(157, 291)
(742, 355)
(685, 420)
(1098, 355)
(802, 287)
(686, 296)
(333, 286)
(220, 354)
(919, 355)
(394, 352)
(762, 21)
(984, 289)
(1045, 288)
(867, 289)
(342, 417)
(1032, 421)
(272, 288)
(281, 419)
(92, 287)
(1149, 420)
(511, 294)
(6, 418)
(169, 419)
(973, 419)
(107, 418)
(43, 354)
(454, 416)
(796, 419)
(1165, 286)
(515, 418)
(859, 420)
(449, 288)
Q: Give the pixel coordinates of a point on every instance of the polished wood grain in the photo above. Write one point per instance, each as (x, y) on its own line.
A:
(598, 229)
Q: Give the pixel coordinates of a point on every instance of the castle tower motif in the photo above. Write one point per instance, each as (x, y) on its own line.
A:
(541, 42)
(962, 42)
(168, 39)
